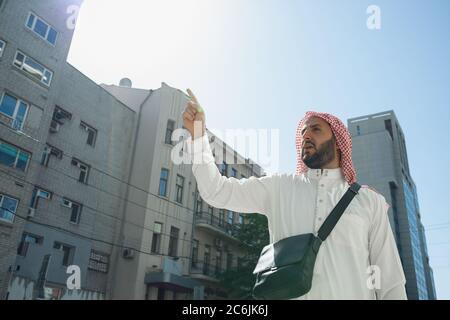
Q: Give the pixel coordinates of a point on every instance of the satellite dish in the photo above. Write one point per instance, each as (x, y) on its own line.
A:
(125, 82)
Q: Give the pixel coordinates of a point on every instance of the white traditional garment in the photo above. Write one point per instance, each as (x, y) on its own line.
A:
(299, 203)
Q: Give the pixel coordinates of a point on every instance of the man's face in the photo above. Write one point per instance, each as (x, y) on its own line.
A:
(319, 144)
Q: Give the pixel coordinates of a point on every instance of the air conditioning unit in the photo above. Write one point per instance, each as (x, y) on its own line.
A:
(54, 126)
(67, 203)
(128, 253)
(31, 212)
(218, 242)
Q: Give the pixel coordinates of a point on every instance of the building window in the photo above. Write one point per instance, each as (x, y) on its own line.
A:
(84, 170)
(98, 262)
(41, 28)
(241, 218)
(230, 217)
(223, 168)
(169, 131)
(33, 68)
(2, 45)
(163, 182)
(233, 172)
(28, 238)
(68, 252)
(210, 211)
(179, 189)
(156, 240)
(39, 193)
(229, 261)
(207, 259)
(59, 118)
(92, 133)
(13, 157)
(218, 262)
(13, 111)
(388, 127)
(194, 260)
(358, 130)
(60, 115)
(75, 207)
(48, 152)
(221, 217)
(8, 207)
(173, 241)
(199, 206)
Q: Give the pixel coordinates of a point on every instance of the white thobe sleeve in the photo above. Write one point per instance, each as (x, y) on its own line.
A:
(384, 256)
(252, 195)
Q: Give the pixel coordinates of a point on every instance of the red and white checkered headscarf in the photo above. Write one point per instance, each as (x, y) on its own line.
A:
(343, 140)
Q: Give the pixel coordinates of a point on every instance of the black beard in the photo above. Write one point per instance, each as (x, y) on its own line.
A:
(323, 155)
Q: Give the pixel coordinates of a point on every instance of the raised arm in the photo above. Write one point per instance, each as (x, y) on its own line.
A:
(240, 195)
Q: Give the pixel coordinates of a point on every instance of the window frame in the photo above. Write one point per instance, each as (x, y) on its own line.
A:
(168, 139)
(71, 206)
(37, 194)
(2, 198)
(2, 45)
(166, 181)
(19, 151)
(194, 257)
(179, 189)
(84, 170)
(67, 260)
(230, 217)
(89, 130)
(28, 73)
(16, 110)
(23, 245)
(156, 238)
(49, 151)
(174, 238)
(221, 220)
(47, 33)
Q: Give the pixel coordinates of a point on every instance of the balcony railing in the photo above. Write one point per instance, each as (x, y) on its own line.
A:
(208, 269)
(217, 223)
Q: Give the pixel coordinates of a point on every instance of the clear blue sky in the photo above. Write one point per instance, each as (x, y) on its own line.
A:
(263, 63)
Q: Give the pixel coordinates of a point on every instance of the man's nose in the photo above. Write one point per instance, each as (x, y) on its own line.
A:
(306, 135)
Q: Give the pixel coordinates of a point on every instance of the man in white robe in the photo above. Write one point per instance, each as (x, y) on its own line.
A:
(359, 259)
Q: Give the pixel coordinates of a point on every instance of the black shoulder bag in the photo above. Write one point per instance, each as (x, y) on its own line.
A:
(285, 268)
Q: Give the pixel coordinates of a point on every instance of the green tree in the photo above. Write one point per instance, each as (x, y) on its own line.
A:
(253, 235)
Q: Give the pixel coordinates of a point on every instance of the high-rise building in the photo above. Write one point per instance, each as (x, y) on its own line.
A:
(381, 161)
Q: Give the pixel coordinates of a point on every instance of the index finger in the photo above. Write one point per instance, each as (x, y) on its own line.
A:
(191, 94)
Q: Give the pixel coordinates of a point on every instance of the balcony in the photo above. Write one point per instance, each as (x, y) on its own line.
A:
(206, 271)
(216, 225)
